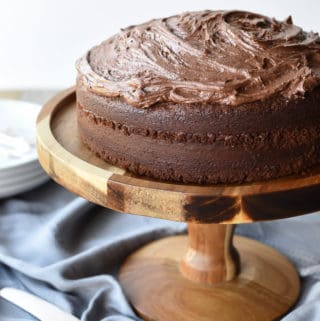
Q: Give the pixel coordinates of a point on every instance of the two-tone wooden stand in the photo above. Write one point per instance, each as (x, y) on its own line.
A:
(209, 275)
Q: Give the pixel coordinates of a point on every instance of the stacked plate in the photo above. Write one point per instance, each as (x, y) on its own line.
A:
(20, 170)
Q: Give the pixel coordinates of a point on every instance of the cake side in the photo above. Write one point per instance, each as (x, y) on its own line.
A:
(199, 157)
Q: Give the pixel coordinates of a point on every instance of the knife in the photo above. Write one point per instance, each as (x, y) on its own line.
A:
(41, 309)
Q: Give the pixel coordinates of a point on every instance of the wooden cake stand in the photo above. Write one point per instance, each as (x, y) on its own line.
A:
(209, 275)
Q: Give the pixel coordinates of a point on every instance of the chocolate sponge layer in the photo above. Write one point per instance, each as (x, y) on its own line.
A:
(203, 144)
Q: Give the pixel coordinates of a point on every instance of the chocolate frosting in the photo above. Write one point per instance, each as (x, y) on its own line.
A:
(224, 57)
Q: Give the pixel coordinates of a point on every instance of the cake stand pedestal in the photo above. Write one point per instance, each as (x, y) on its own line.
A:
(207, 275)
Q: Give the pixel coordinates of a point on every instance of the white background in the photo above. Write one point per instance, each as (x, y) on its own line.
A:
(41, 39)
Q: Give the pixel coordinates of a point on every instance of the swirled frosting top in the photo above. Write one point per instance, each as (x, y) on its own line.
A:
(225, 57)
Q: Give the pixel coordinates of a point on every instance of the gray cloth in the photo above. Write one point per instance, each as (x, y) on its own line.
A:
(67, 251)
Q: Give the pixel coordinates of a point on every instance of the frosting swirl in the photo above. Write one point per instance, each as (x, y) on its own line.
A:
(225, 57)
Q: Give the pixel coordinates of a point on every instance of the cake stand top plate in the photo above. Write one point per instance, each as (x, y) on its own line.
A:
(72, 165)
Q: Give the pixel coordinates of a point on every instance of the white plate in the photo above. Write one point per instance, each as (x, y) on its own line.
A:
(28, 182)
(23, 166)
(17, 133)
(19, 167)
(23, 187)
(20, 170)
(18, 179)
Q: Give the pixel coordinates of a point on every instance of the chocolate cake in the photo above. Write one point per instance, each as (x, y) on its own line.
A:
(204, 97)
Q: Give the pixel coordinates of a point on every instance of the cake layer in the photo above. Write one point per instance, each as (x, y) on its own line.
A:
(201, 162)
(255, 117)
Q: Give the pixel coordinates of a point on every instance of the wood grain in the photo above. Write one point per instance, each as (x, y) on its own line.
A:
(71, 164)
(265, 289)
(210, 257)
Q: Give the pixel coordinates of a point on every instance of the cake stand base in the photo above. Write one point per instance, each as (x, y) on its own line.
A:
(265, 289)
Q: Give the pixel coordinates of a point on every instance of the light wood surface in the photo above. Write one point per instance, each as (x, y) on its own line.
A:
(265, 289)
(72, 165)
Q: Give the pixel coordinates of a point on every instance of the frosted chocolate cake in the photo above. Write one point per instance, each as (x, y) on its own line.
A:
(204, 97)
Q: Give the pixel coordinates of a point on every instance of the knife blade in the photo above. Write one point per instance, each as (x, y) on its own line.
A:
(41, 309)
